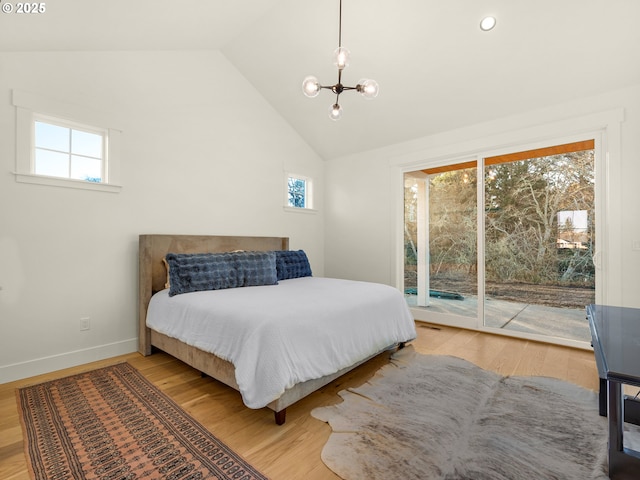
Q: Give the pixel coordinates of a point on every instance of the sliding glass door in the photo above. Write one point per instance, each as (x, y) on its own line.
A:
(441, 269)
(523, 263)
(539, 240)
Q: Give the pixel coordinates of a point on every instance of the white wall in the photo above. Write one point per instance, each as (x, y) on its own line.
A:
(361, 206)
(202, 153)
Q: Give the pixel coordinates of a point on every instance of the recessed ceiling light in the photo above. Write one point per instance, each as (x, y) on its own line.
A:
(487, 23)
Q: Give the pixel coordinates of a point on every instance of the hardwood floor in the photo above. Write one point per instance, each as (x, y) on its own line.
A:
(292, 451)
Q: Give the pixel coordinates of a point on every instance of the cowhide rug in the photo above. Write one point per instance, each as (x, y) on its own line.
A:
(439, 417)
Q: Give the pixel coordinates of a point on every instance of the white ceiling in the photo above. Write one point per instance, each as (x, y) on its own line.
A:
(437, 71)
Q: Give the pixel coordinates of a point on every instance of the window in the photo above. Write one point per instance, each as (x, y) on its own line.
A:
(529, 249)
(299, 192)
(69, 151)
(65, 145)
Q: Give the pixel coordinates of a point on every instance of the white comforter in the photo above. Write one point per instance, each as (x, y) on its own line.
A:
(279, 335)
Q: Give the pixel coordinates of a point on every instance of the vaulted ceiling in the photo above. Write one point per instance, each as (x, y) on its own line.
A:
(436, 69)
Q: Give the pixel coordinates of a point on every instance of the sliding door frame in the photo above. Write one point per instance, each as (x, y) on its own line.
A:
(604, 128)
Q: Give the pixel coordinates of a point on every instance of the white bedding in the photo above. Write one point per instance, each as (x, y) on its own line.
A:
(279, 335)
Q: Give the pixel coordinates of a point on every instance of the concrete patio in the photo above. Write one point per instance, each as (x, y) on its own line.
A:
(523, 317)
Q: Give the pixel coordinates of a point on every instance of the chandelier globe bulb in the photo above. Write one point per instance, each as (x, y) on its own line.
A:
(310, 86)
(335, 112)
(368, 88)
(341, 58)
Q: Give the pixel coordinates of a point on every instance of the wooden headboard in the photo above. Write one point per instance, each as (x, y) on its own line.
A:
(153, 275)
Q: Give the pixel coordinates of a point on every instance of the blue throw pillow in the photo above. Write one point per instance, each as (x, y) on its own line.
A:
(193, 272)
(257, 268)
(292, 264)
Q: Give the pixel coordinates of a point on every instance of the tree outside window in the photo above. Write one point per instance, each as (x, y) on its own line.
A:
(297, 192)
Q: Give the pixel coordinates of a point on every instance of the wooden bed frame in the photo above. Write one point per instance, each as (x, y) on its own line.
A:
(152, 278)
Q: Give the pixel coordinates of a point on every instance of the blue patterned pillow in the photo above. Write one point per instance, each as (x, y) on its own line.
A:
(292, 264)
(193, 272)
(257, 268)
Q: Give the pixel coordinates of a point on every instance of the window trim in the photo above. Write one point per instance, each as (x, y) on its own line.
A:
(29, 108)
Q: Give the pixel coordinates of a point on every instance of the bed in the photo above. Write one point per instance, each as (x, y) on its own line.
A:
(338, 341)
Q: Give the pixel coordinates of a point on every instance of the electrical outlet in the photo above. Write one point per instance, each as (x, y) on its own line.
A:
(85, 324)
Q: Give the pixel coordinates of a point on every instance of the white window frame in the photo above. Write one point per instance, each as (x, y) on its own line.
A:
(308, 208)
(31, 108)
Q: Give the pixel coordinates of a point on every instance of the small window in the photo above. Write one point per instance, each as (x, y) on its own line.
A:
(65, 145)
(299, 191)
(69, 151)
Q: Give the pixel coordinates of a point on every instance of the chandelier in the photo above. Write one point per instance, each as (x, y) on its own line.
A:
(366, 87)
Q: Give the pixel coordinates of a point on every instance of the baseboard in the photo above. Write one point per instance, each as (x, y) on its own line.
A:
(38, 366)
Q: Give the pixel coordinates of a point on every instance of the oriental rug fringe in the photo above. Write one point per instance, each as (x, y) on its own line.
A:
(112, 423)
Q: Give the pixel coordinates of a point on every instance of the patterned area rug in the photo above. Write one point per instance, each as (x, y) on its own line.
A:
(112, 424)
(440, 417)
